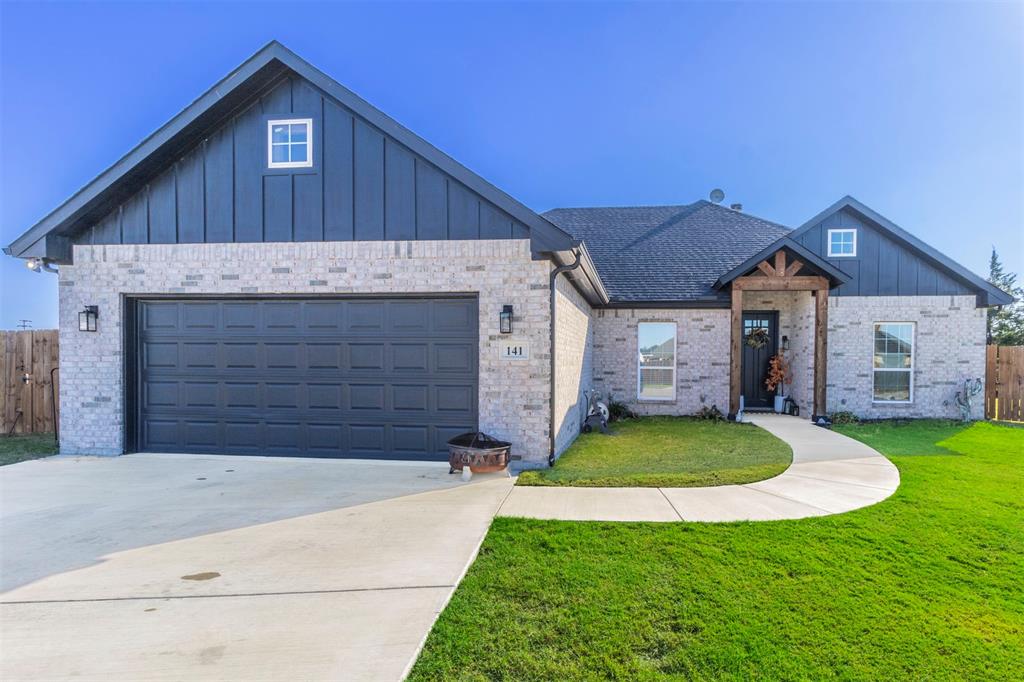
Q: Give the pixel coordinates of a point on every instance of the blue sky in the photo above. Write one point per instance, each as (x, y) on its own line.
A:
(916, 109)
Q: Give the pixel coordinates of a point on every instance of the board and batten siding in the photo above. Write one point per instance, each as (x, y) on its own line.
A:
(363, 186)
(882, 266)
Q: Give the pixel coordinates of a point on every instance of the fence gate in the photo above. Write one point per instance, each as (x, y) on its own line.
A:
(1004, 383)
(26, 396)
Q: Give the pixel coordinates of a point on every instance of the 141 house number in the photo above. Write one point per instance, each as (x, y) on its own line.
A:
(515, 350)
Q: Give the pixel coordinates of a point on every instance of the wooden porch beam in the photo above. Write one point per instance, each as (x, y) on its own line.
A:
(735, 349)
(820, 352)
(793, 268)
(780, 262)
(802, 283)
(766, 269)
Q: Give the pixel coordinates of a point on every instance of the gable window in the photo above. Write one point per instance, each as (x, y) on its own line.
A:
(656, 361)
(842, 243)
(894, 362)
(290, 143)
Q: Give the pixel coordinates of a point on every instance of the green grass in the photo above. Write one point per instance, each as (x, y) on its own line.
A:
(926, 585)
(667, 452)
(14, 449)
(918, 437)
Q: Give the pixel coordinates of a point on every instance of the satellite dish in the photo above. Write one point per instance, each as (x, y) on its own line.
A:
(717, 196)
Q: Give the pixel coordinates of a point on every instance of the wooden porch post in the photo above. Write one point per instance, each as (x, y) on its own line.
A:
(820, 352)
(736, 349)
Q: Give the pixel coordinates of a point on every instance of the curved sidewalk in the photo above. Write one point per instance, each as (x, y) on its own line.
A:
(830, 474)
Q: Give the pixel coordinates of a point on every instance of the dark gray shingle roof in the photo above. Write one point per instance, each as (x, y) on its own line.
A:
(666, 253)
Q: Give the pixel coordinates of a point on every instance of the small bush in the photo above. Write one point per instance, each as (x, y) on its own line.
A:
(843, 418)
(710, 414)
(618, 410)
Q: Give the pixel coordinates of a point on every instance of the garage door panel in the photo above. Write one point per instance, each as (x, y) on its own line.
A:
(200, 316)
(385, 378)
(201, 394)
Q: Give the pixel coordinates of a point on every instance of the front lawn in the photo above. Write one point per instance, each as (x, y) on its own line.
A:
(14, 449)
(667, 452)
(925, 585)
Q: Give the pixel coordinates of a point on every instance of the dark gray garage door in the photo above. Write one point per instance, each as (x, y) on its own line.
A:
(380, 378)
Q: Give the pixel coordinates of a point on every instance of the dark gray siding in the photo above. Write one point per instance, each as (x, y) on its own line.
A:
(364, 185)
(882, 266)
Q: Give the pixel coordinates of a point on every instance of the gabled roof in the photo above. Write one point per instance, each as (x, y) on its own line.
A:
(48, 237)
(808, 257)
(991, 294)
(667, 254)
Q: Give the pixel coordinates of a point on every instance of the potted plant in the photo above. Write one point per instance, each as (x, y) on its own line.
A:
(779, 375)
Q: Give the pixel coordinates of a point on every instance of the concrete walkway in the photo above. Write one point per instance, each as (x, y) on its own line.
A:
(347, 594)
(830, 474)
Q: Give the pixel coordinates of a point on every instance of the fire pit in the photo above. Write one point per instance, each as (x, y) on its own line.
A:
(480, 452)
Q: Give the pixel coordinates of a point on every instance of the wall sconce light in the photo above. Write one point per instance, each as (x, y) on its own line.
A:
(87, 318)
(505, 318)
(785, 343)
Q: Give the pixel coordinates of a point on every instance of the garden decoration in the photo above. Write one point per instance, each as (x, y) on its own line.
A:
(758, 338)
(965, 397)
(779, 374)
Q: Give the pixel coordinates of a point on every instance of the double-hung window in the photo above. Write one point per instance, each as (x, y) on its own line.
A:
(656, 361)
(894, 362)
(842, 243)
(290, 143)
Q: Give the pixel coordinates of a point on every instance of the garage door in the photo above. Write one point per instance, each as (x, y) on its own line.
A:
(377, 378)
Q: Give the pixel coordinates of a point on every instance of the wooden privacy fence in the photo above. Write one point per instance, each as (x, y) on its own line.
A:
(26, 406)
(1004, 383)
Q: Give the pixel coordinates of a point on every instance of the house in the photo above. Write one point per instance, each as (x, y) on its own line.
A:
(282, 269)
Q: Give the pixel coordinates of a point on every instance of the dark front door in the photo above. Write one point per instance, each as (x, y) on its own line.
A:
(359, 377)
(754, 365)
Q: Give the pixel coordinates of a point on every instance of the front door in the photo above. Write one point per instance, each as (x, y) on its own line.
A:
(761, 325)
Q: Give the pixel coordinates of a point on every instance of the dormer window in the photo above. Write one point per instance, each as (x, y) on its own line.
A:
(290, 143)
(842, 243)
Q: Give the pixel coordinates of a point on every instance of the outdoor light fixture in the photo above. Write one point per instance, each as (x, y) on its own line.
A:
(505, 318)
(34, 264)
(785, 343)
(87, 318)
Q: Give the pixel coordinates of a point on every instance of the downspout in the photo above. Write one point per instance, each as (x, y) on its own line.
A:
(551, 346)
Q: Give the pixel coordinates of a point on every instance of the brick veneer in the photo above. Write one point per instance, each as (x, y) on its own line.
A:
(702, 357)
(949, 346)
(574, 370)
(513, 394)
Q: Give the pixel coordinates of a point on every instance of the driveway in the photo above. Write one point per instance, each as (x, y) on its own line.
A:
(204, 567)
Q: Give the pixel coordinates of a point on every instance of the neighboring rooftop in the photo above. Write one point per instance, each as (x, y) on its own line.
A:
(666, 253)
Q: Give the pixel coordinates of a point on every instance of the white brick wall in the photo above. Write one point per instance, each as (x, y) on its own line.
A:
(949, 347)
(574, 370)
(702, 357)
(513, 395)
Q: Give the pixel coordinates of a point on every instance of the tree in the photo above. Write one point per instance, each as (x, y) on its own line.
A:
(1005, 323)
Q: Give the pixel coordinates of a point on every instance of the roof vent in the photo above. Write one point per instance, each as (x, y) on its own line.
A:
(736, 207)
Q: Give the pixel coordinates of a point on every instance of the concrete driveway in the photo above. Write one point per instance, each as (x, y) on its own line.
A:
(168, 567)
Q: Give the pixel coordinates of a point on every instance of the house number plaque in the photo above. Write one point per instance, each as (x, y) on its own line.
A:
(515, 350)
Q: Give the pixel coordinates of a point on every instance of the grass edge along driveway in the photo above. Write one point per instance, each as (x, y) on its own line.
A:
(667, 452)
(924, 585)
(21, 448)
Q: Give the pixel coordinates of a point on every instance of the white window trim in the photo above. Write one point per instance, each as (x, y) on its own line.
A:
(852, 231)
(308, 163)
(675, 361)
(913, 354)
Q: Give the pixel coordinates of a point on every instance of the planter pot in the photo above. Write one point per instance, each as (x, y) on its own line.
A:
(780, 403)
(479, 452)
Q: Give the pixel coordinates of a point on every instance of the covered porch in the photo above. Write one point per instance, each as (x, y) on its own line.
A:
(781, 296)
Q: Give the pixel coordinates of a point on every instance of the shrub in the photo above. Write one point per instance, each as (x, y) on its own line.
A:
(843, 418)
(618, 410)
(710, 414)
